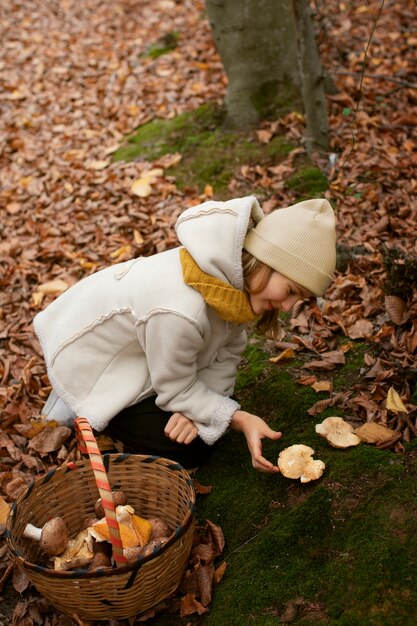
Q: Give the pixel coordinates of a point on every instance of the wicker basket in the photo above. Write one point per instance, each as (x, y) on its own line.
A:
(154, 486)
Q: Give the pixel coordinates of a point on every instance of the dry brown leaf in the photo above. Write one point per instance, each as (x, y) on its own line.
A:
(190, 605)
(139, 240)
(320, 365)
(4, 511)
(49, 439)
(286, 354)
(216, 535)
(205, 575)
(219, 572)
(394, 402)
(34, 427)
(319, 407)
(202, 489)
(97, 165)
(361, 329)
(307, 380)
(264, 136)
(20, 581)
(374, 433)
(397, 309)
(141, 187)
(322, 385)
(52, 286)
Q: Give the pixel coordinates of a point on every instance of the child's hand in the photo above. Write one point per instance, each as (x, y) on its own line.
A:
(180, 429)
(255, 429)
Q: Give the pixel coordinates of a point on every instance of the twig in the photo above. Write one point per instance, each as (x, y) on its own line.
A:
(389, 79)
(238, 548)
(361, 74)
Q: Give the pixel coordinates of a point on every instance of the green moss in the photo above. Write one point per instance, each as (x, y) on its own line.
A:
(210, 153)
(272, 100)
(308, 182)
(165, 44)
(340, 550)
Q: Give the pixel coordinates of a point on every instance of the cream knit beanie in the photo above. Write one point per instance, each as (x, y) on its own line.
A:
(299, 242)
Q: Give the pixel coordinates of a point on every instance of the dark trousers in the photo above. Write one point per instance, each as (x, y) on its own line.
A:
(140, 428)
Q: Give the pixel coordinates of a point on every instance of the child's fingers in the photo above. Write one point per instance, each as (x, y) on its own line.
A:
(180, 429)
(263, 465)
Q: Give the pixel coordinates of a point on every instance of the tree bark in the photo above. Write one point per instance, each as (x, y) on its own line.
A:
(312, 79)
(270, 57)
(257, 42)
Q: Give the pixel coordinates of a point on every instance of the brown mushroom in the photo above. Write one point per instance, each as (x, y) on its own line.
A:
(135, 552)
(155, 543)
(100, 559)
(88, 521)
(337, 432)
(118, 496)
(297, 462)
(160, 528)
(78, 553)
(52, 537)
(132, 553)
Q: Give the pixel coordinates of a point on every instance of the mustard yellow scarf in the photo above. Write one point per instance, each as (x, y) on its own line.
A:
(230, 303)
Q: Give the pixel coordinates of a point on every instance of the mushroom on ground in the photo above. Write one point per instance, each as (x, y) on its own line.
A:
(52, 537)
(297, 462)
(337, 432)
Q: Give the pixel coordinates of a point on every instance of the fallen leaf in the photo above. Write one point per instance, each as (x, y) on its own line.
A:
(216, 535)
(322, 385)
(202, 489)
(141, 188)
(219, 572)
(4, 511)
(20, 581)
(205, 579)
(286, 354)
(97, 165)
(190, 605)
(394, 402)
(374, 433)
(49, 439)
(397, 309)
(264, 136)
(361, 329)
(52, 286)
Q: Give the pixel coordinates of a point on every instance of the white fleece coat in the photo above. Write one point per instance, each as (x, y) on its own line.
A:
(136, 329)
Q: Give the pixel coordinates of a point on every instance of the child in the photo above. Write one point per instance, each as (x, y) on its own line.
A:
(148, 349)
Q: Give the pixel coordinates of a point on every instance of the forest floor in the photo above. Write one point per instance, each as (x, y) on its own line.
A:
(76, 81)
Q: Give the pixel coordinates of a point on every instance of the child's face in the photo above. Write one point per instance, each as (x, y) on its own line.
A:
(279, 293)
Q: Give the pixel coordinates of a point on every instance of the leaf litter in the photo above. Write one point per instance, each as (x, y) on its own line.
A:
(74, 80)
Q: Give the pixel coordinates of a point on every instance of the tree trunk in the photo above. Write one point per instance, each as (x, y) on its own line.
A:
(312, 79)
(268, 74)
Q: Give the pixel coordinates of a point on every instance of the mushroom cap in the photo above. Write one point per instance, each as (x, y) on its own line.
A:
(297, 462)
(160, 528)
(119, 498)
(54, 537)
(337, 432)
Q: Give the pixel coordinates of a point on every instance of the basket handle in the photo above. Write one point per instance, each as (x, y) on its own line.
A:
(87, 444)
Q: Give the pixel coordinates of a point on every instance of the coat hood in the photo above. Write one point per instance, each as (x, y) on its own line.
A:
(214, 232)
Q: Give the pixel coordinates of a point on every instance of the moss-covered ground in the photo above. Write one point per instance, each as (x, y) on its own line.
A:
(211, 154)
(340, 550)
